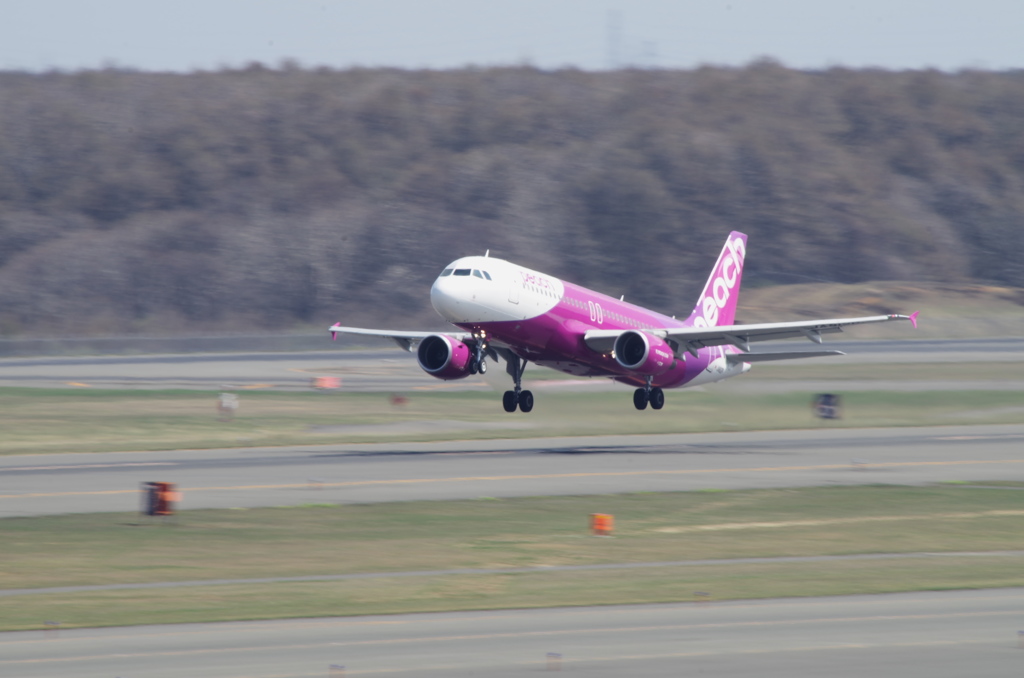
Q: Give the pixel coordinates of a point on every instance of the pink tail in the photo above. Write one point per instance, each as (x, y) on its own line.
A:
(717, 303)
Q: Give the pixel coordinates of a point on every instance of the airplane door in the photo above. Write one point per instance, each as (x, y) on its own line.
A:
(513, 293)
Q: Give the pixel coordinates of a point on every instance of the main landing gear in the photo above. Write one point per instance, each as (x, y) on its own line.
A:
(516, 397)
(655, 396)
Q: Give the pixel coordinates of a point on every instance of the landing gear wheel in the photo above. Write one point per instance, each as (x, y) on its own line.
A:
(509, 401)
(518, 397)
(657, 398)
(526, 401)
(477, 363)
(640, 399)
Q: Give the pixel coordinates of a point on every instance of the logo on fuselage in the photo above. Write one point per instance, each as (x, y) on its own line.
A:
(720, 290)
(536, 281)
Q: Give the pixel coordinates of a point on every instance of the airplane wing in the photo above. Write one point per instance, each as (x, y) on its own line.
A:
(690, 339)
(736, 358)
(405, 340)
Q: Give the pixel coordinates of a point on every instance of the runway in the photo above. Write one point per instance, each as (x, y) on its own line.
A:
(369, 473)
(359, 370)
(938, 635)
(931, 634)
(390, 369)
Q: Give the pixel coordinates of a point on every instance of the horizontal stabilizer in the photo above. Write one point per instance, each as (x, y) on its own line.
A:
(738, 358)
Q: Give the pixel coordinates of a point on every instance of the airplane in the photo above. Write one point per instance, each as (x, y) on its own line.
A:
(523, 316)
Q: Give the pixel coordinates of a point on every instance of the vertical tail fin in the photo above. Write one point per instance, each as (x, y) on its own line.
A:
(717, 303)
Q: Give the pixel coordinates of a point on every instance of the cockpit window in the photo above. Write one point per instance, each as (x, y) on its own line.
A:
(487, 275)
(478, 274)
(445, 272)
(463, 271)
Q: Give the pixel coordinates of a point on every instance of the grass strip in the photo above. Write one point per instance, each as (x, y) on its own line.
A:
(507, 591)
(54, 420)
(538, 532)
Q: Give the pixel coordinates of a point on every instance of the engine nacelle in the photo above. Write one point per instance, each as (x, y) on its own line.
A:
(443, 357)
(643, 353)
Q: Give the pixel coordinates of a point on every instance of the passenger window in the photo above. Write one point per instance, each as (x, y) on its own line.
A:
(462, 271)
(478, 274)
(445, 272)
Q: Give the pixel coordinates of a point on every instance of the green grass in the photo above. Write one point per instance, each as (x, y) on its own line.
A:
(94, 420)
(506, 591)
(520, 533)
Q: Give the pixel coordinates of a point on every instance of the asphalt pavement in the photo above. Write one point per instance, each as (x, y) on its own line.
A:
(949, 634)
(386, 472)
(391, 369)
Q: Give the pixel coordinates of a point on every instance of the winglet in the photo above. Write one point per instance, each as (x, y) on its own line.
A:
(913, 319)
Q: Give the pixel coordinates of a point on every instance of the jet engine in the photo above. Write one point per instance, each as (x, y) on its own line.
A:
(643, 353)
(443, 357)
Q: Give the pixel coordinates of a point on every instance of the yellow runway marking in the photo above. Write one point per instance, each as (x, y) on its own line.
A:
(539, 476)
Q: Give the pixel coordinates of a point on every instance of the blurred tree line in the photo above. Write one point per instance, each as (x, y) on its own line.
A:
(268, 198)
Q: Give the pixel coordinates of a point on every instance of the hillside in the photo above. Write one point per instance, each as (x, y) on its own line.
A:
(948, 310)
(264, 199)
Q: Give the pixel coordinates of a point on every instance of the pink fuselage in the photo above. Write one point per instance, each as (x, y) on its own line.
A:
(555, 338)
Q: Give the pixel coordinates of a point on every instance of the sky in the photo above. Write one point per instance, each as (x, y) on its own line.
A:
(187, 35)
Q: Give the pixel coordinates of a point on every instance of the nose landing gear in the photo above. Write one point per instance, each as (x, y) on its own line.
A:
(479, 363)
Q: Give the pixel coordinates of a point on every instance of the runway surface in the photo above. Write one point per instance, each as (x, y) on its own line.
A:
(934, 635)
(368, 473)
(391, 369)
(360, 370)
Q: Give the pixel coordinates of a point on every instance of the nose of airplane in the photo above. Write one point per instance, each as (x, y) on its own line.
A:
(443, 299)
